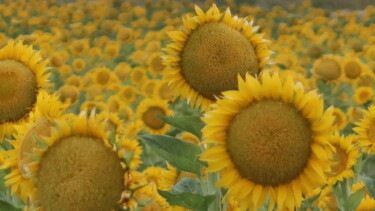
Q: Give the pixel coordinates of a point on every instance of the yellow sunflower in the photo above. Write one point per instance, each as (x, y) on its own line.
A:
(343, 158)
(23, 76)
(128, 94)
(327, 68)
(112, 122)
(164, 179)
(367, 204)
(132, 129)
(268, 139)
(147, 112)
(204, 59)
(363, 94)
(366, 130)
(25, 143)
(74, 151)
(340, 119)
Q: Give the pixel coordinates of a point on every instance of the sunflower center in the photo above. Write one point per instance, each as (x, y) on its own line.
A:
(157, 64)
(102, 77)
(328, 69)
(29, 142)
(150, 117)
(213, 56)
(18, 90)
(269, 142)
(352, 70)
(339, 160)
(80, 173)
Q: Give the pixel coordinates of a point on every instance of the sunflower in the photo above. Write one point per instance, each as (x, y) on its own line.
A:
(23, 76)
(363, 95)
(147, 112)
(155, 64)
(164, 91)
(367, 204)
(122, 70)
(126, 113)
(24, 143)
(79, 64)
(327, 68)
(138, 76)
(148, 88)
(74, 80)
(204, 59)
(112, 122)
(111, 51)
(343, 158)
(340, 119)
(355, 114)
(74, 151)
(164, 179)
(268, 140)
(366, 129)
(128, 94)
(114, 104)
(132, 129)
(69, 94)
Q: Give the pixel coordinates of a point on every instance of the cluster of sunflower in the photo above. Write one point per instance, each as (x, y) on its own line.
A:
(113, 105)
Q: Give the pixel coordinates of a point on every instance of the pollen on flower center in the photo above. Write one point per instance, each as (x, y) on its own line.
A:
(80, 173)
(269, 142)
(18, 90)
(213, 56)
(150, 117)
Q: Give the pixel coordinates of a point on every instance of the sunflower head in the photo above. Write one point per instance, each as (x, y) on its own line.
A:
(75, 151)
(343, 158)
(204, 59)
(327, 68)
(148, 111)
(268, 139)
(22, 77)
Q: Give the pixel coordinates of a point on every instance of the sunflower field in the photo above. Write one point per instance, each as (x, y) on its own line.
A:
(168, 105)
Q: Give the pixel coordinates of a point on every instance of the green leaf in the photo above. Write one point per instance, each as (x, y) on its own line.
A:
(128, 156)
(192, 124)
(5, 206)
(180, 154)
(336, 189)
(191, 201)
(308, 203)
(354, 200)
(187, 185)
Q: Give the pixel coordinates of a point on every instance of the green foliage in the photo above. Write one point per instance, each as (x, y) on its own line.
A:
(7, 201)
(188, 185)
(192, 124)
(180, 154)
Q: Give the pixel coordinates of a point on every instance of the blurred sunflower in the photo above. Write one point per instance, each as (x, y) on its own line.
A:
(340, 119)
(23, 76)
(343, 158)
(147, 112)
(268, 140)
(327, 68)
(366, 130)
(363, 95)
(204, 59)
